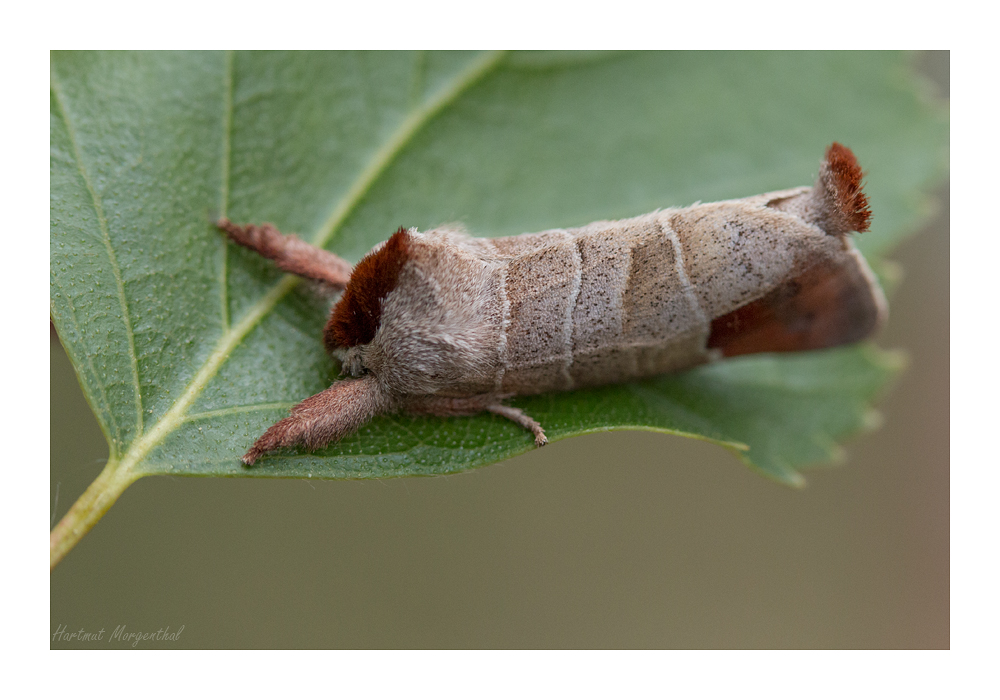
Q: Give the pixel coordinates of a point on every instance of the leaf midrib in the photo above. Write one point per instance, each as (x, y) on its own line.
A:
(231, 338)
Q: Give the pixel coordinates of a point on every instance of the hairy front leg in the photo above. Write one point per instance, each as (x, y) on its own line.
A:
(324, 417)
(290, 252)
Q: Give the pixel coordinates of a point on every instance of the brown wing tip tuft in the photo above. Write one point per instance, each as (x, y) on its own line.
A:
(845, 176)
(356, 317)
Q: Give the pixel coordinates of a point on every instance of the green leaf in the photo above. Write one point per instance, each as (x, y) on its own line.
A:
(187, 348)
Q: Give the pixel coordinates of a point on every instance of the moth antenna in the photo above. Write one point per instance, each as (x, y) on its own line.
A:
(324, 417)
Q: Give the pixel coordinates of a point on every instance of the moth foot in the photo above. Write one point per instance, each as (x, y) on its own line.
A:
(522, 419)
(540, 439)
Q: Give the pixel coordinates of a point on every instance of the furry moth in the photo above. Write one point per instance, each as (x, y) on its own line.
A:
(446, 324)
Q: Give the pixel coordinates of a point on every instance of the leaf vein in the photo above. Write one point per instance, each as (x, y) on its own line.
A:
(230, 410)
(475, 72)
(107, 413)
(176, 414)
(227, 146)
(418, 77)
(112, 258)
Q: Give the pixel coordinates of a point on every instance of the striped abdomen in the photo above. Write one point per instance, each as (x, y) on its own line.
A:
(615, 301)
(600, 304)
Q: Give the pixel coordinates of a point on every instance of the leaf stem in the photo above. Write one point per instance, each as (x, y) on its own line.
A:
(88, 509)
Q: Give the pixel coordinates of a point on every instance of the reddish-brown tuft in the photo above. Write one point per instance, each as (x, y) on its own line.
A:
(355, 318)
(851, 200)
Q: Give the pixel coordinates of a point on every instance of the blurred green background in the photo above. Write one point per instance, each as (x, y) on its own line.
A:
(612, 540)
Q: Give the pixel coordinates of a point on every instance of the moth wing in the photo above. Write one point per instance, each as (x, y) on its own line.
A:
(835, 302)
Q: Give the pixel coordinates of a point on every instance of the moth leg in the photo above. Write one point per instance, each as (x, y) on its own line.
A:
(471, 405)
(522, 419)
(324, 417)
(291, 253)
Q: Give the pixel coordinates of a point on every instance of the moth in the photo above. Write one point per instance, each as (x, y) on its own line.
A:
(442, 323)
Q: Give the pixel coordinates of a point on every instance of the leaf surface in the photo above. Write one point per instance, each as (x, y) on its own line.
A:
(187, 347)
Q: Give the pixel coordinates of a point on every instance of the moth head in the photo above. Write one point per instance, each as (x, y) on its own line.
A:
(356, 317)
(420, 313)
